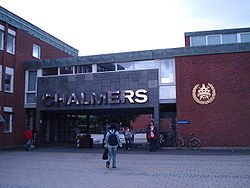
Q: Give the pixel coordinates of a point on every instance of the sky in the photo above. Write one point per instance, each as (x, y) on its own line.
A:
(111, 26)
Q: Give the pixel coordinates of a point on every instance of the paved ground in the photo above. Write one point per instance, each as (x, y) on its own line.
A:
(66, 167)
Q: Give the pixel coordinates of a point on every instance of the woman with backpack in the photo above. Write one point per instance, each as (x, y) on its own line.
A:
(112, 141)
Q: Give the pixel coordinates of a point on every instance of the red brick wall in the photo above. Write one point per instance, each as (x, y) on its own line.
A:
(24, 44)
(187, 41)
(225, 121)
(141, 122)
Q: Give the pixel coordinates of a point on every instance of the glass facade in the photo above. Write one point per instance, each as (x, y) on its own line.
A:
(167, 71)
(50, 71)
(213, 39)
(66, 70)
(142, 65)
(229, 38)
(125, 66)
(198, 41)
(245, 37)
(83, 69)
(219, 39)
(105, 67)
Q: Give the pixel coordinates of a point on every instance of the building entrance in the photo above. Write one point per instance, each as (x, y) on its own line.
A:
(64, 127)
(60, 99)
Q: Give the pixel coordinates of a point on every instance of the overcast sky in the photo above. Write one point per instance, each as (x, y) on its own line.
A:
(110, 26)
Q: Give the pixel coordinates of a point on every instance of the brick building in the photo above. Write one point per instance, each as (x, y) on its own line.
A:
(21, 41)
(204, 86)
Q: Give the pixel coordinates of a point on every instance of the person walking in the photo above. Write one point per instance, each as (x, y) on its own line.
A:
(151, 136)
(127, 135)
(28, 135)
(112, 141)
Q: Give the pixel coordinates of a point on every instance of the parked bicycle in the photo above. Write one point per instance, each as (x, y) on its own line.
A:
(166, 139)
(188, 141)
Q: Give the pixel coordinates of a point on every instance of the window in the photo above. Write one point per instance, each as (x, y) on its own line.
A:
(8, 83)
(125, 66)
(8, 120)
(30, 98)
(66, 70)
(105, 67)
(31, 85)
(36, 51)
(50, 71)
(11, 41)
(167, 71)
(83, 69)
(142, 65)
(1, 36)
(198, 40)
(213, 39)
(229, 38)
(32, 77)
(1, 77)
(245, 37)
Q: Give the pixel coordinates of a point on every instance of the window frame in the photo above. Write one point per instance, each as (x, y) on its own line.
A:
(245, 33)
(11, 33)
(79, 69)
(173, 71)
(9, 71)
(2, 37)
(8, 111)
(38, 48)
(223, 37)
(201, 36)
(51, 68)
(216, 35)
(104, 64)
(27, 89)
(62, 69)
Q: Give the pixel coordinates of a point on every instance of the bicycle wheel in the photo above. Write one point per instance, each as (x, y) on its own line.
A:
(194, 143)
(179, 143)
(161, 140)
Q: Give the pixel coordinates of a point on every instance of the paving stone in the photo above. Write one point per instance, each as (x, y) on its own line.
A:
(71, 168)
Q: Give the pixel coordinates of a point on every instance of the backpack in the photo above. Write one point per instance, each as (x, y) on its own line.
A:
(112, 140)
(127, 134)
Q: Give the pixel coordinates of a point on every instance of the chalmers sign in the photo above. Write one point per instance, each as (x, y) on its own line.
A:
(110, 97)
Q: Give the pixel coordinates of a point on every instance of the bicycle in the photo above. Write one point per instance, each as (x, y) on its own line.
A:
(189, 141)
(166, 139)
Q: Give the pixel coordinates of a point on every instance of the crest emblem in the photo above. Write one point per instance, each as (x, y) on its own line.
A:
(203, 94)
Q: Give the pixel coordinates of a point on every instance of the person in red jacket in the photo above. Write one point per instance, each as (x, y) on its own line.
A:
(28, 135)
(152, 137)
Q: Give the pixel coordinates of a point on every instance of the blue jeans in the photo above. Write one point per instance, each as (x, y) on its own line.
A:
(112, 155)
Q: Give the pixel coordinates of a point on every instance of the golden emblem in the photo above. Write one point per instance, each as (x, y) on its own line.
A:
(203, 94)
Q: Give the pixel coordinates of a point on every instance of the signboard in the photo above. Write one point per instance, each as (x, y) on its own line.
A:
(183, 122)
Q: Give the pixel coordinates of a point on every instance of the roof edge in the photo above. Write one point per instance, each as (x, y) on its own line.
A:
(139, 55)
